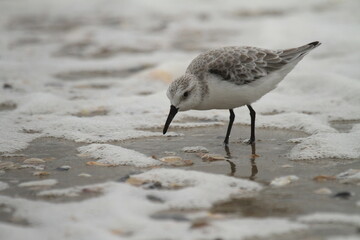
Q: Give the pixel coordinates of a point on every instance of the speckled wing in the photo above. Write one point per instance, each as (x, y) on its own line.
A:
(243, 65)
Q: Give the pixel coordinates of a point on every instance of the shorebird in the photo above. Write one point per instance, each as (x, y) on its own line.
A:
(231, 77)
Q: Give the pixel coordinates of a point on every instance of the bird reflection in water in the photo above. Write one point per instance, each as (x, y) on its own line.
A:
(254, 169)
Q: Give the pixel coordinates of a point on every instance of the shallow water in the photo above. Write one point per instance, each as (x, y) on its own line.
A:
(81, 75)
(271, 161)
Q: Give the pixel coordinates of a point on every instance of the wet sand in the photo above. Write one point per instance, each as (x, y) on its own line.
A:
(272, 147)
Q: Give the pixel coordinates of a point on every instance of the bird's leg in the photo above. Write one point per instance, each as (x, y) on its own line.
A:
(252, 115)
(231, 120)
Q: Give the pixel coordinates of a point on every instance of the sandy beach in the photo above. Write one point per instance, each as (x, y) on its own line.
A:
(83, 102)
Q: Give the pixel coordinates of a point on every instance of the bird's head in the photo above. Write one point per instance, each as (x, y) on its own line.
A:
(184, 94)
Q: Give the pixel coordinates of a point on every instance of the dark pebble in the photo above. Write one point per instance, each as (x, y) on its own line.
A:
(154, 199)
(343, 195)
(63, 168)
(169, 216)
(126, 177)
(7, 86)
(152, 185)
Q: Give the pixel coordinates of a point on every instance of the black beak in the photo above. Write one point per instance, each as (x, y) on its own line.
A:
(172, 113)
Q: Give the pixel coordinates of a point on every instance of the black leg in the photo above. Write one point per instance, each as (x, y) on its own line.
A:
(231, 120)
(252, 115)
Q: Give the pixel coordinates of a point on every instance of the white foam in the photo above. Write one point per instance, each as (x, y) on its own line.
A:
(131, 211)
(349, 176)
(39, 183)
(323, 87)
(328, 145)
(73, 191)
(197, 185)
(195, 149)
(352, 219)
(284, 180)
(347, 237)
(116, 155)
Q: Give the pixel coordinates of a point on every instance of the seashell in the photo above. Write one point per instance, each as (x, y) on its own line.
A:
(84, 175)
(171, 159)
(325, 191)
(34, 161)
(323, 178)
(176, 161)
(93, 163)
(212, 157)
(135, 181)
(7, 165)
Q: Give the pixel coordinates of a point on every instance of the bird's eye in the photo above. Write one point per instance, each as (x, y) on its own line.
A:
(186, 94)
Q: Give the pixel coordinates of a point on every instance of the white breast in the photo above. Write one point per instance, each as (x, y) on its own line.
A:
(226, 95)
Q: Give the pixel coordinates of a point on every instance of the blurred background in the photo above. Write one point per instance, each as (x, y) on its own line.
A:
(88, 58)
(76, 40)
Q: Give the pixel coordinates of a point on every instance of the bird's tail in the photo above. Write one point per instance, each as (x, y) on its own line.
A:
(299, 52)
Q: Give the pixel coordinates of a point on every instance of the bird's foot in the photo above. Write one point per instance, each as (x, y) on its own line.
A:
(249, 141)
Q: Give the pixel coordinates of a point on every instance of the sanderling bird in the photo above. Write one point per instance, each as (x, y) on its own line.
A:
(231, 77)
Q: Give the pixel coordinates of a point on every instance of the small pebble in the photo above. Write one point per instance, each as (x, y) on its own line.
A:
(84, 175)
(34, 161)
(199, 223)
(282, 181)
(41, 174)
(343, 195)
(152, 185)
(63, 168)
(169, 216)
(325, 191)
(7, 86)
(154, 198)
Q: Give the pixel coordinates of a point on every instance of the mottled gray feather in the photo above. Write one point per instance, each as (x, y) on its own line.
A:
(243, 65)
